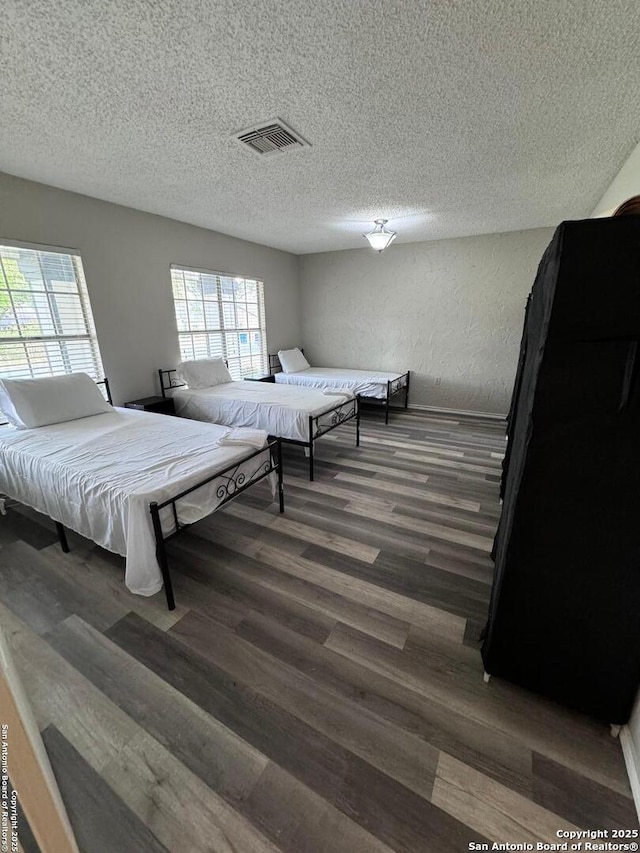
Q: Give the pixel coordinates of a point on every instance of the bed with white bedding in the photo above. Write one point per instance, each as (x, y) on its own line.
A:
(290, 367)
(132, 480)
(296, 415)
(362, 382)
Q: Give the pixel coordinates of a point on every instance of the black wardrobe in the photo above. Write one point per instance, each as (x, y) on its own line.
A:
(565, 605)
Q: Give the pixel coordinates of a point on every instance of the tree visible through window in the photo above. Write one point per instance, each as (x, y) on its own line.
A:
(220, 316)
(46, 327)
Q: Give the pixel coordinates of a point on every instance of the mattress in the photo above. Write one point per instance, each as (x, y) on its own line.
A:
(97, 476)
(366, 383)
(278, 409)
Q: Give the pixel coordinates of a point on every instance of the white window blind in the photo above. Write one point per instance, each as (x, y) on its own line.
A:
(46, 327)
(220, 316)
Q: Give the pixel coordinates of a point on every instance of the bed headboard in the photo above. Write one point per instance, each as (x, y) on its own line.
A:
(169, 380)
(107, 389)
(274, 362)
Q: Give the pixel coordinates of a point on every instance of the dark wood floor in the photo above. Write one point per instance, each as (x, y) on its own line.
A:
(318, 687)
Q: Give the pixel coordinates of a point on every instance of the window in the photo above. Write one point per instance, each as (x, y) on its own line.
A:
(46, 327)
(220, 316)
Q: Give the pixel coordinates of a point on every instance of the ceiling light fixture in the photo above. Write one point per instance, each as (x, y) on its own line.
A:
(380, 238)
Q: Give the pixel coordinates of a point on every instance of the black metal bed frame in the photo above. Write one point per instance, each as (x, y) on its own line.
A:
(318, 424)
(394, 386)
(104, 381)
(274, 361)
(338, 415)
(235, 481)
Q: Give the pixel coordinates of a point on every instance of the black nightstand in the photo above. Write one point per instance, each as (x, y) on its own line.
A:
(260, 377)
(160, 405)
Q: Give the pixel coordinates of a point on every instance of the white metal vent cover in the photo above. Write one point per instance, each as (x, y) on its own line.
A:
(271, 137)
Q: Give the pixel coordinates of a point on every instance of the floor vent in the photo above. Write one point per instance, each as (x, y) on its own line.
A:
(273, 137)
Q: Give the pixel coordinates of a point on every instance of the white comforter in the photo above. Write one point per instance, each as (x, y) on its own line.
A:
(277, 409)
(363, 382)
(97, 476)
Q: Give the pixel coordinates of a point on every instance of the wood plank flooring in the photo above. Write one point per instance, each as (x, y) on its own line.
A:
(319, 686)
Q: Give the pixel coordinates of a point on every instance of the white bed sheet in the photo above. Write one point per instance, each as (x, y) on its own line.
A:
(362, 382)
(97, 476)
(277, 409)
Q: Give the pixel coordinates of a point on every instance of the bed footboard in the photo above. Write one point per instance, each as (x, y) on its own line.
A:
(323, 423)
(339, 414)
(234, 482)
(397, 386)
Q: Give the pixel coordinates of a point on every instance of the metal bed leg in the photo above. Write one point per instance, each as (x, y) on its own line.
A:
(280, 486)
(406, 391)
(357, 422)
(386, 414)
(161, 555)
(62, 537)
(310, 447)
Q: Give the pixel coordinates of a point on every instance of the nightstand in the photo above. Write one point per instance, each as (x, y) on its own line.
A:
(260, 377)
(160, 405)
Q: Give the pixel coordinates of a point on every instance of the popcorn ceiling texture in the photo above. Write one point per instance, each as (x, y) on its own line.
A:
(449, 118)
(452, 309)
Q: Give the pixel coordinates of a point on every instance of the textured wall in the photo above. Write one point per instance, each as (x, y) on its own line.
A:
(126, 256)
(448, 309)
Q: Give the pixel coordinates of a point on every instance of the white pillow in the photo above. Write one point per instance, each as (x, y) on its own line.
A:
(29, 403)
(203, 372)
(292, 360)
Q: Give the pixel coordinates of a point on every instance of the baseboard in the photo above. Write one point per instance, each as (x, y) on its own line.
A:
(492, 415)
(632, 760)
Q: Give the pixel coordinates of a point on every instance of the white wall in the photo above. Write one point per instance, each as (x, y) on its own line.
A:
(624, 185)
(126, 256)
(630, 737)
(447, 309)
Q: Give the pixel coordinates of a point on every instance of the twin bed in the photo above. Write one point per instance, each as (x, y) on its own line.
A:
(295, 415)
(128, 480)
(290, 367)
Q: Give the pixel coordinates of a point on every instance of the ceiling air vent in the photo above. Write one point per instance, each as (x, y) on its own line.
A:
(272, 137)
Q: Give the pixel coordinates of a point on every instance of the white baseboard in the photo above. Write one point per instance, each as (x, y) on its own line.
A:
(440, 410)
(632, 760)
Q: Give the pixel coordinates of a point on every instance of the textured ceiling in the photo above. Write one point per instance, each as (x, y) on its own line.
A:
(448, 118)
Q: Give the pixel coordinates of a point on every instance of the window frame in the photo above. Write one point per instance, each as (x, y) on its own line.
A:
(234, 361)
(81, 292)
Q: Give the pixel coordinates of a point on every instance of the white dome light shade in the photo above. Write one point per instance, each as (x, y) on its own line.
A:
(380, 238)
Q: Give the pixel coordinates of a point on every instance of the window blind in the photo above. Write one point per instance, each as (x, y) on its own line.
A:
(220, 316)
(46, 326)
